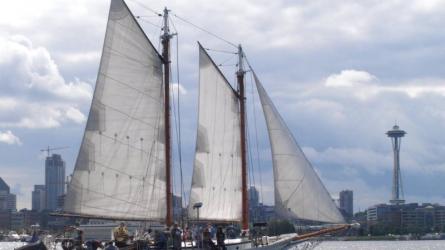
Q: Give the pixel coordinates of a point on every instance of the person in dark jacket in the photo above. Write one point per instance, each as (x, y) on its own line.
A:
(220, 237)
(176, 237)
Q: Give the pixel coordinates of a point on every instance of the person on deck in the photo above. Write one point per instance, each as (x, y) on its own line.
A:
(176, 237)
(160, 240)
(79, 238)
(121, 235)
(207, 242)
(220, 237)
(187, 236)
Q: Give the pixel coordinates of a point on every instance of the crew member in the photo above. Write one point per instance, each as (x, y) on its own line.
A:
(121, 235)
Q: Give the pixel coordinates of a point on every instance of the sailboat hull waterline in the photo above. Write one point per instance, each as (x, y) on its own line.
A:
(122, 171)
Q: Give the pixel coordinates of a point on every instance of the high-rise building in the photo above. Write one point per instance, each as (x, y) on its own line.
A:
(8, 201)
(396, 135)
(12, 202)
(346, 201)
(54, 180)
(38, 198)
(3, 186)
(254, 198)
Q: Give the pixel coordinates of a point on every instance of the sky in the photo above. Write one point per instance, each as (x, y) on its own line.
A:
(341, 73)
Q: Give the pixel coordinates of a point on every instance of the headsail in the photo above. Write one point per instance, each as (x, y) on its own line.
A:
(119, 172)
(217, 169)
(299, 192)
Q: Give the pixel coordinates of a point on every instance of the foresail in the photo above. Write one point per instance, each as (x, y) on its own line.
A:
(119, 172)
(299, 192)
(216, 179)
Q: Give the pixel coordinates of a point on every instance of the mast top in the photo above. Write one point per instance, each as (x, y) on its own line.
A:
(166, 35)
(240, 61)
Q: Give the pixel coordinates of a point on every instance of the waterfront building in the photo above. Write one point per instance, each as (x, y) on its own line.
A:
(406, 218)
(346, 202)
(17, 220)
(38, 198)
(54, 180)
(5, 220)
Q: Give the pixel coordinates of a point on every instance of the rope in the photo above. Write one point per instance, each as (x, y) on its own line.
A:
(147, 8)
(146, 21)
(177, 116)
(206, 31)
(222, 51)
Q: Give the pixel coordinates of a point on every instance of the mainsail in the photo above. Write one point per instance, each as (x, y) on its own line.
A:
(299, 193)
(120, 172)
(216, 179)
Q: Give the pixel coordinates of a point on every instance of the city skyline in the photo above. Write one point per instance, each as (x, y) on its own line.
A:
(339, 84)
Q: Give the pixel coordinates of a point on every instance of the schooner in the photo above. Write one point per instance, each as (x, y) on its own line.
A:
(124, 167)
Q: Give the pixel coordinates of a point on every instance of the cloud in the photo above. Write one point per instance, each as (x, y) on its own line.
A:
(31, 68)
(174, 88)
(33, 92)
(9, 138)
(364, 85)
(352, 158)
(349, 78)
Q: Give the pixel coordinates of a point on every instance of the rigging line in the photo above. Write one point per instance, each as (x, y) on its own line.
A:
(146, 21)
(222, 51)
(226, 65)
(206, 31)
(146, 16)
(179, 118)
(147, 8)
(256, 137)
(250, 166)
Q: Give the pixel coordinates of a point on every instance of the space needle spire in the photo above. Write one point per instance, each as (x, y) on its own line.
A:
(396, 135)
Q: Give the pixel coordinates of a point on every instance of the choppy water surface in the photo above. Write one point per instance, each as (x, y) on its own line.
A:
(376, 245)
(10, 245)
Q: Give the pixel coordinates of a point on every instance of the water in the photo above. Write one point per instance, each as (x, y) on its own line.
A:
(14, 245)
(10, 245)
(376, 245)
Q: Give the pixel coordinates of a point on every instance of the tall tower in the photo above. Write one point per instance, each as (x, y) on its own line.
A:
(347, 203)
(54, 180)
(396, 135)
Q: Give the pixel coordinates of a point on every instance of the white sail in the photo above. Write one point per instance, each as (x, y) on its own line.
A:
(299, 192)
(216, 179)
(119, 172)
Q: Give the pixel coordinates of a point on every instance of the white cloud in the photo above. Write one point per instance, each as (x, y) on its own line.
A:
(41, 115)
(9, 138)
(31, 68)
(349, 78)
(174, 88)
(364, 85)
(7, 103)
(35, 95)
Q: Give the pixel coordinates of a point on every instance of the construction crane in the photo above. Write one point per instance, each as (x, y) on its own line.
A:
(48, 149)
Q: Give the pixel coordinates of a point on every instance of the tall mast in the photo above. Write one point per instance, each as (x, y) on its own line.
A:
(240, 79)
(166, 61)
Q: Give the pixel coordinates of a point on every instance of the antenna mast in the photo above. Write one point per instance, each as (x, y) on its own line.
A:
(240, 79)
(166, 36)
